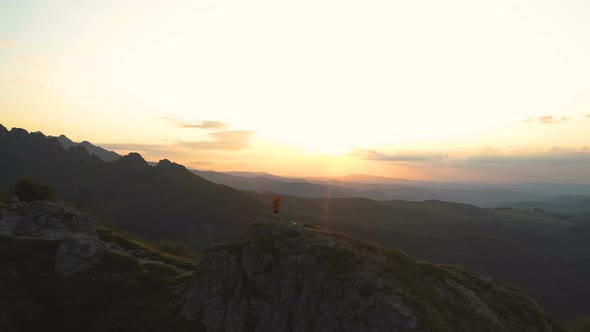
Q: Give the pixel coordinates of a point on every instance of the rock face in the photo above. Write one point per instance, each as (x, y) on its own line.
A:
(298, 284)
(79, 247)
(77, 255)
(46, 219)
(288, 277)
(59, 270)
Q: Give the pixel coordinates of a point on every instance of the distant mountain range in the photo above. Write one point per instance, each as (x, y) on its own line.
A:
(101, 153)
(544, 254)
(568, 205)
(522, 195)
(383, 188)
(378, 188)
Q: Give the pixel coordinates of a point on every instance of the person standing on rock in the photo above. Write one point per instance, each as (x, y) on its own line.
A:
(276, 206)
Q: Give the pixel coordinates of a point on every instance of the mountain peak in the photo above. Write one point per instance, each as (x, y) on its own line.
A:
(103, 154)
(289, 277)
(133, 158)
(167, 164)
(65, 141)
(18, 131)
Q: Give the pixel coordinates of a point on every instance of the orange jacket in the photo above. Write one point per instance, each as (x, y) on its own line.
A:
(276, 203)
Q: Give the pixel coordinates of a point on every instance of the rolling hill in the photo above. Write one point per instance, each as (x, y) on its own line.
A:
(568, 205)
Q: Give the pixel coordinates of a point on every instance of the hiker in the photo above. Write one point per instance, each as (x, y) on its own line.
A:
(276, 206)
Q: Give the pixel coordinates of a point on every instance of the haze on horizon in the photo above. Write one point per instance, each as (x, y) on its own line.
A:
(446, 91)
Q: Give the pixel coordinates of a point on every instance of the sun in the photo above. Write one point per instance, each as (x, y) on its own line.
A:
(329, 147)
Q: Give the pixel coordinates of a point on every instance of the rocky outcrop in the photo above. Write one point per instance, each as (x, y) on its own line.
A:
(297, 283)
(46, 219)
(80, 246)
(473, 300)
(58, 270)
(289, 277)
(77, 255)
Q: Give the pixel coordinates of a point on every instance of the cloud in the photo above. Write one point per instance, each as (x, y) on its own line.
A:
(556, 155)
(6, 44)
(211, 125)
(488, 157)
(228, 140)
(487, 150)
(31, 60)
(404, 156)
(38, 62)
(137, 147)
(548, 119)
(199, 163)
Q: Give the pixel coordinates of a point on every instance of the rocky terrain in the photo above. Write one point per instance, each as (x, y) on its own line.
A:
(59, 269)
(79, 245)
(289, 277)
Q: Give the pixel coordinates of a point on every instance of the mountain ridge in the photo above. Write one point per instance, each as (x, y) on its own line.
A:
(92, 149)
(152, 201)
(330, 188)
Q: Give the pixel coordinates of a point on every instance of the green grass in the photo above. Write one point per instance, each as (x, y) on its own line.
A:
(580, 324)
(130, 242)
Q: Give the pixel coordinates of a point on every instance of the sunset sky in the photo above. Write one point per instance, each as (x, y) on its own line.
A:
(440, 90)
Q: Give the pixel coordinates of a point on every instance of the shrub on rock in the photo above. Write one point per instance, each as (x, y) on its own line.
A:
(30, 190)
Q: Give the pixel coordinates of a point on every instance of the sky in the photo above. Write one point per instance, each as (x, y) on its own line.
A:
(475, 91)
